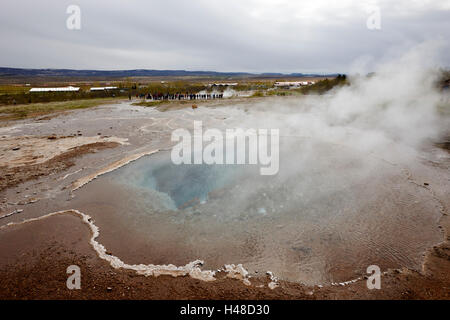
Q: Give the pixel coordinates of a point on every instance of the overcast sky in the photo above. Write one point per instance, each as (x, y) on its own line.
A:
(233, 35)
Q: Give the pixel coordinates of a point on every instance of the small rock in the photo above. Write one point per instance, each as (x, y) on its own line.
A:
(426, 184)
(16, 148)
(109, 289)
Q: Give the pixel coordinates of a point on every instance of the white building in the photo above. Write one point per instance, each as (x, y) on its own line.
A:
(58, 89)
(292, 84)
(102, 88)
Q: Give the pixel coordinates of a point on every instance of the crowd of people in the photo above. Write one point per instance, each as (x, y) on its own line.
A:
(180, 96)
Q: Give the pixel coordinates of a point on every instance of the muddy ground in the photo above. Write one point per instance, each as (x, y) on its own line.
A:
(40, 160)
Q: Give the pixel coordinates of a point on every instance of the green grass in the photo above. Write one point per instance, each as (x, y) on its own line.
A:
(257, 94)
(12, 89)
(280, 92)
(149, 103)
(31, 110)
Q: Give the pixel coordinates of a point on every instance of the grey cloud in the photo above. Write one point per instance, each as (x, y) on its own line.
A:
(256, 36)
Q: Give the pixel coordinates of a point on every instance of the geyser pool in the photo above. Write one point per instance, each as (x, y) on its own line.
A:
(320, 219)
(186, 185)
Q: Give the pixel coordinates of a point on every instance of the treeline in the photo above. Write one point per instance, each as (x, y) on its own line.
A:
(444, 79)
(320, 87)
(325, 85)
(175, 87)
(170, 88)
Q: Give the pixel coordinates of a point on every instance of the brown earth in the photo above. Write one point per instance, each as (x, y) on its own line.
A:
(35, 268)
(12, 176)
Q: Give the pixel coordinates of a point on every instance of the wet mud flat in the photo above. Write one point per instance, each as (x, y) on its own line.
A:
(337, 220)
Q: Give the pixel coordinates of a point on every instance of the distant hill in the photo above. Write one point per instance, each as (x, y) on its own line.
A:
(59, 73)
